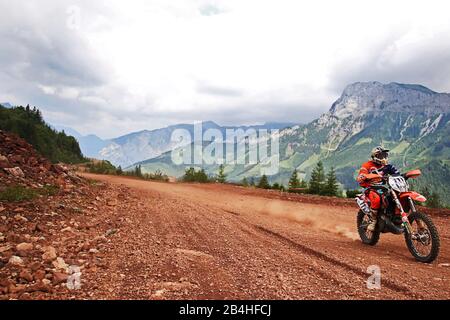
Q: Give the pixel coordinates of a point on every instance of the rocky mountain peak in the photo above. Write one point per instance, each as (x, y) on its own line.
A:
(373, 97)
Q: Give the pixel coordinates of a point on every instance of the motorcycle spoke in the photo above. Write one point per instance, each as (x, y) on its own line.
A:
(421, 239)
(366, 222)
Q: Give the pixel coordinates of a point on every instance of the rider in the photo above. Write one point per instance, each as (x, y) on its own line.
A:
(378, 165)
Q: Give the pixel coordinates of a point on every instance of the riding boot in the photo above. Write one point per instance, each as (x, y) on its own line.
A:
(372, 225)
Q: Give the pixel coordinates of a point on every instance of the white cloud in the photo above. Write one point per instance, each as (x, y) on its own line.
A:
(144, 64)
(47, 89)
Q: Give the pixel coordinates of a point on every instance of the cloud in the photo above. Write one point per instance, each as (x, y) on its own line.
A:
(110, 68)
(206, 88)
(210, 10)
(411, 56)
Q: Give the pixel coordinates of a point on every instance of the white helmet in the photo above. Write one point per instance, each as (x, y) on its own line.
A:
(380, 155)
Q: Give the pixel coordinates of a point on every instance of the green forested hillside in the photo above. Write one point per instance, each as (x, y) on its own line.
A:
(28, 124)
(413, 124)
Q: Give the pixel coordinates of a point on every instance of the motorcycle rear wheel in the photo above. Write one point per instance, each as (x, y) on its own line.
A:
(367, 237)
(428, 238)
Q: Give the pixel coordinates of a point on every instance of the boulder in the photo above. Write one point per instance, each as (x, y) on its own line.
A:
(4, 162)
(24, 247)
(40, 286)
(59, 277)
(20, 218)
(60, 264)
(26, 275)
(17, 289)
(34, 266)
(16, 172)
(5, 248)
(110, 232)
(49, 254)
(16, 261)
(39, 275)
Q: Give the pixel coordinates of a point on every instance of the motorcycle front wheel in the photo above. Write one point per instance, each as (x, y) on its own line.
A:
(423, 242)
(367, 237)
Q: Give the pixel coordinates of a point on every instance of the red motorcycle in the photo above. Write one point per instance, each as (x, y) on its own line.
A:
(399, 215)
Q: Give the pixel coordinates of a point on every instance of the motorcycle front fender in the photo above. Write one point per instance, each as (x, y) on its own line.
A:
(413, 195)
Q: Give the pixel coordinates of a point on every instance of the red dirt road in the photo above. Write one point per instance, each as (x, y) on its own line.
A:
(184, 241)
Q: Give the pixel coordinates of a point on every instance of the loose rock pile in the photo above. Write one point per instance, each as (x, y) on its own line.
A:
(20, 164)
(42, 239)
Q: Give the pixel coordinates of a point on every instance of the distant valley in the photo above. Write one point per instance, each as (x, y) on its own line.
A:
(139, 146)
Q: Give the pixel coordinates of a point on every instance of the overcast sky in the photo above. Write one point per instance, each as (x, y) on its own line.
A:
(112, 67)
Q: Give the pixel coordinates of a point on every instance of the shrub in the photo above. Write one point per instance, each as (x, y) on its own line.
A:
(191, 175)
(158, 176)
(101, 167)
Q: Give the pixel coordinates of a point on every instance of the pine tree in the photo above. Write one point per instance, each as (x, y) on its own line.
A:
(294, 183)
(245, 182)
(264, 182)
(222, 177)
(303, 184)
(317, 182)
(140, 171)
(331, 186)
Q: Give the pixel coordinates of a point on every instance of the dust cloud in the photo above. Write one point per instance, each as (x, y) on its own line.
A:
(317, 217)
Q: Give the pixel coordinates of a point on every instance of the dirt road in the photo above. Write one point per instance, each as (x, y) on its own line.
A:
(185, 241)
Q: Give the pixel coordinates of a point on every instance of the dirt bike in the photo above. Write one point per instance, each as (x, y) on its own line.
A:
(399, 215)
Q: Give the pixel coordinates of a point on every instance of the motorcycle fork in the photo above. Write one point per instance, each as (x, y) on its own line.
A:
(412, 206)
(404, 215)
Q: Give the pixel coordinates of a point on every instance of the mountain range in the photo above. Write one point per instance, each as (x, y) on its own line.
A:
(411, 120)
(6, 105)
(139, 146)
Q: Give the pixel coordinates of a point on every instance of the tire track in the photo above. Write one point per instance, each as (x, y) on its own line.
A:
(261, 249)
(390, 284)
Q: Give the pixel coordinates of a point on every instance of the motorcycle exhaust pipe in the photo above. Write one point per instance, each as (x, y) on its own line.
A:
(392, 227)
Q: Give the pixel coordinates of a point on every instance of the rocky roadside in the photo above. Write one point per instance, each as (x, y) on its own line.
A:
(54, 225)
(46, 244)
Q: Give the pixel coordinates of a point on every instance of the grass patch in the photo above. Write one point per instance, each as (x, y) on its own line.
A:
(49, 190)
(363, 141)
(93, 182)
(400, 148)
(21, 193)
(18, 194)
